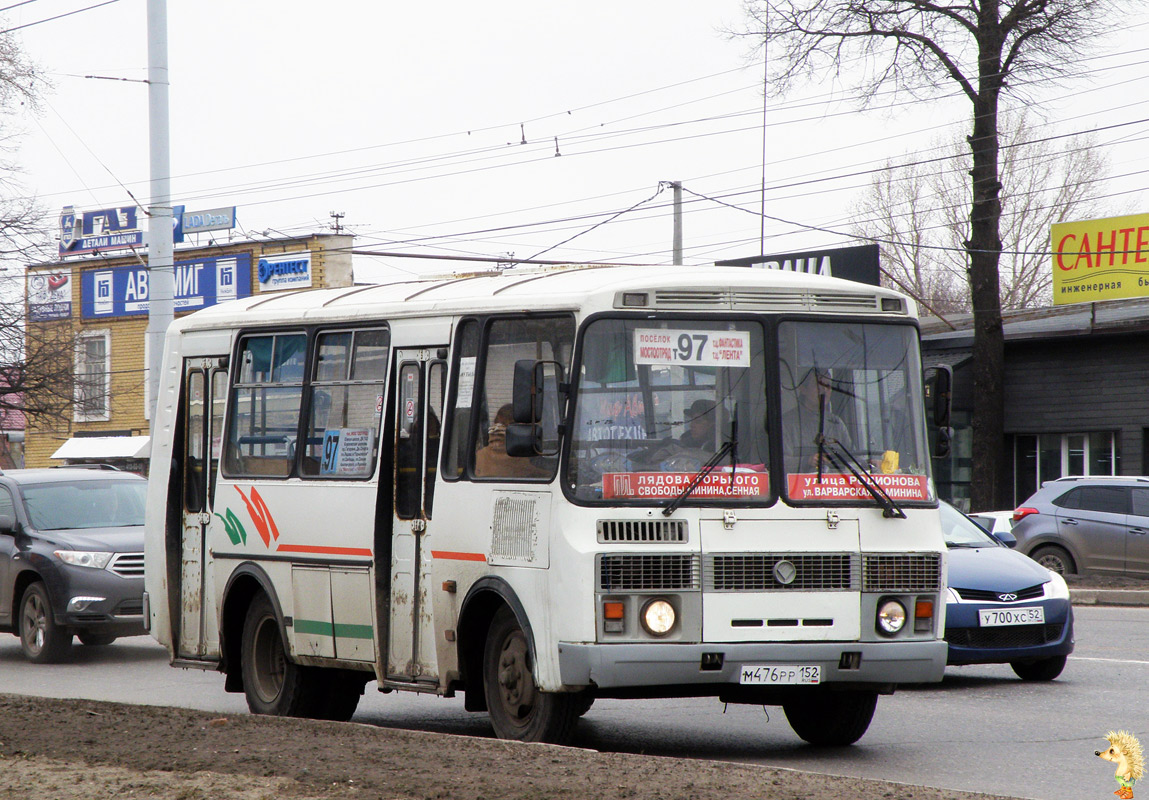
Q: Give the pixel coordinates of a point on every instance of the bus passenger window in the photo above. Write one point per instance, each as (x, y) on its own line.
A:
(506, 342)
(263, 421)
(346, 403)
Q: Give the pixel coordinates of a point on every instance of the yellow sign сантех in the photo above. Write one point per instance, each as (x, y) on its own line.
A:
(1101, 259)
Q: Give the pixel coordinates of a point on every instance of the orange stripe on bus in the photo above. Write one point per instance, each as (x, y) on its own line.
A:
(458, 556)
(331, 551)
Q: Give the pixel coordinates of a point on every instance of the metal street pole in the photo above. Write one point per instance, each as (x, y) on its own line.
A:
(677, 243)
(161, 278)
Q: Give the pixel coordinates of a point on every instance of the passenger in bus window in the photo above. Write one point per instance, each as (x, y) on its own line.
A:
(800, 425)
(492, 461)
(700, 425)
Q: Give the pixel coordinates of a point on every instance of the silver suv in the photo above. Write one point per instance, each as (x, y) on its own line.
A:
(1087, 524)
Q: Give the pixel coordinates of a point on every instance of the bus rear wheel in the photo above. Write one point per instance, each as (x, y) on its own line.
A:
(831, 719)
(518, 709)
(272, 682)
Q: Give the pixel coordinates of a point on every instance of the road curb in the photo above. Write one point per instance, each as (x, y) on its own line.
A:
(1109, 597)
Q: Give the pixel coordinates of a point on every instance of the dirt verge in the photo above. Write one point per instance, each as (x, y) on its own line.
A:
(82, 750)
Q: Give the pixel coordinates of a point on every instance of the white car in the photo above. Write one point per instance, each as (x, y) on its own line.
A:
(998, 523)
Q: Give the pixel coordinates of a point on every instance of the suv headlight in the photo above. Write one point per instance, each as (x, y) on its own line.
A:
(84, 558)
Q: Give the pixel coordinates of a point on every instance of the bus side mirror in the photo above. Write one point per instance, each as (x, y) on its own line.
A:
(536, 406)
(938, 393)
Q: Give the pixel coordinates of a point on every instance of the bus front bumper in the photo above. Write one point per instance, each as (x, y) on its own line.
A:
(621, 666)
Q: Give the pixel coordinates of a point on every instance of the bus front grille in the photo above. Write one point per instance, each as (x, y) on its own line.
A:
(756, 572)
(663, 572)
(901, 572)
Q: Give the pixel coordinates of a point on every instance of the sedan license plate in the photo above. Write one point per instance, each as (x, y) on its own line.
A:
(996, 617)
(780, 675)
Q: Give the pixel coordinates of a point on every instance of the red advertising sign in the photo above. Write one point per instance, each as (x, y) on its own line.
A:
(668, 485)
(833, 486)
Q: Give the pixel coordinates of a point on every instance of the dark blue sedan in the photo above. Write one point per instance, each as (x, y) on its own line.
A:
(1003, 607)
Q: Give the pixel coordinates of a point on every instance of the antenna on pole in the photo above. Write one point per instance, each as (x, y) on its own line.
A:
(335, 226)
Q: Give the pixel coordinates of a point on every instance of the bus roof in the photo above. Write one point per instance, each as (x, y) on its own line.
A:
(532, 288)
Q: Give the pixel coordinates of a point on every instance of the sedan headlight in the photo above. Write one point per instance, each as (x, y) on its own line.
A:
(1056, 588)
(84, 558)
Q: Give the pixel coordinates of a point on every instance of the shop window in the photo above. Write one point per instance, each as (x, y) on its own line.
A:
(1048, 456)
(93, 373)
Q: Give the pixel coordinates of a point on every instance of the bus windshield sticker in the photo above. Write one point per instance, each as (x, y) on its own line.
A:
(668, 485)
(347, 452)
(834, 486)
(694, 348)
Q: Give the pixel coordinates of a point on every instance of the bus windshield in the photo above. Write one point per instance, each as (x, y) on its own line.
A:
(851, 407)
(661, 401)
(658, 399)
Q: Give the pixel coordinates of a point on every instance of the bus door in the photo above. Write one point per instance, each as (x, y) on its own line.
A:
(205, 390)
(421, 379)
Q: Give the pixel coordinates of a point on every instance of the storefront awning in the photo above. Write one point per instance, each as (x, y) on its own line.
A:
(105, 447)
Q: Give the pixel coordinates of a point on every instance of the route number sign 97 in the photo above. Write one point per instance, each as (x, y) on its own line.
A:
(667, 347)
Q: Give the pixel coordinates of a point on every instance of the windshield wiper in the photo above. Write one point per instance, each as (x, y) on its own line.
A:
(841, 457)
(730, 446)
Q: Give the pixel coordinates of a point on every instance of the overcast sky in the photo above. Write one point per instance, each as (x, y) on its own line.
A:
(494, 128)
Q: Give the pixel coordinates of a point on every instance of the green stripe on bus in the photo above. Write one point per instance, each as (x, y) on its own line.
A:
(342, 630)
(345, 631)
(314, 626)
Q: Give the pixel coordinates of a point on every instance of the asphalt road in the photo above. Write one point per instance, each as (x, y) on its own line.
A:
(981, 729)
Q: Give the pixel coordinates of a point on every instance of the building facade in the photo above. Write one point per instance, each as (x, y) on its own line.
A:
(1075, 396)
(98, 306)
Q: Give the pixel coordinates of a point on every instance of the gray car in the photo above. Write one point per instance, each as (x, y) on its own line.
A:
(71, 558)
(1080, 524)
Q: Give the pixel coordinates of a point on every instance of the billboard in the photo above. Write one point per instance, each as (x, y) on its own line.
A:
(49, 295)
(858, 263)
(201, 282)
(1100, 259)
(102, 229)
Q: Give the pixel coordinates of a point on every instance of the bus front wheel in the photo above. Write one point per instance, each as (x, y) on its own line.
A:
(518, 709)
(272, 682)
(831, 719)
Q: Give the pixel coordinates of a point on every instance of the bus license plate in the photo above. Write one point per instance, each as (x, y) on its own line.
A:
(780, 675)
(996, 617)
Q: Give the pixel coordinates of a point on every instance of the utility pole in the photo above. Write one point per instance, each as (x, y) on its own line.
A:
(677, 244)
(161, 277)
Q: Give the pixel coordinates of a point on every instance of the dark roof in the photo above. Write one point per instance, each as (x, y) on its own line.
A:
(1080, 319)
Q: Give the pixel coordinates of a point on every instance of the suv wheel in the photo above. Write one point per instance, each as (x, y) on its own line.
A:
(41, 639)
(1054, 559)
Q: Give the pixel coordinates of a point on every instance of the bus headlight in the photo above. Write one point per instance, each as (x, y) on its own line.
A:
(891, 617)
(658, 617)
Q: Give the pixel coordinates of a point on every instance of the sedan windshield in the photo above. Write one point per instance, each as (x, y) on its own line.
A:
(960, 531)
(68, 505)
(658, 399)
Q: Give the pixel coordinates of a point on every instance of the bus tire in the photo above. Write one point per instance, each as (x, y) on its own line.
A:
(517, 708)
(831, 719)
(272, 682)
(339, 697)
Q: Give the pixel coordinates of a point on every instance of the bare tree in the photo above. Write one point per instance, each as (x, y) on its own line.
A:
(985, 48)
(37, 359)
(917, 209)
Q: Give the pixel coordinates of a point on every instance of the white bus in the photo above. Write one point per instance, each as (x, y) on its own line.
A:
(543, 486)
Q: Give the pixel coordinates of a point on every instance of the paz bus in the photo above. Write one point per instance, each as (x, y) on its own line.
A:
(543, 486)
